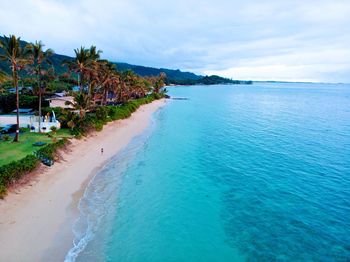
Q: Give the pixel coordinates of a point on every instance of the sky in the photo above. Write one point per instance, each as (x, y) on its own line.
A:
(288, 40)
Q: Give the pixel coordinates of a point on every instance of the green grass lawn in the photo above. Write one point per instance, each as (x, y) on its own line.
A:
(10, 151)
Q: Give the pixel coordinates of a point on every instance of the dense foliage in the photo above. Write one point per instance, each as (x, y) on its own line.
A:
(15, 170)
(208, 80)
(8, 102)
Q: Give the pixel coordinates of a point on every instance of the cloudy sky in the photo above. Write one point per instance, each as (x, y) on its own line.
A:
(295, 40)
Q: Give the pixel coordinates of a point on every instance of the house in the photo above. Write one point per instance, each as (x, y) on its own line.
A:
(60, 101)
(46, 123)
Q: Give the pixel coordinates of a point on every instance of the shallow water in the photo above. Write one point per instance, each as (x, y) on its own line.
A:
(236, 173)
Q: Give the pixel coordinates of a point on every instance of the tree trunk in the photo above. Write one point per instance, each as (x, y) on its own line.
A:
(39, 86)
(80, 82)
(104, 100)
(15, 82)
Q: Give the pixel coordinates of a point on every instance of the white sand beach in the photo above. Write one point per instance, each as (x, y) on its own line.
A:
(36, 219)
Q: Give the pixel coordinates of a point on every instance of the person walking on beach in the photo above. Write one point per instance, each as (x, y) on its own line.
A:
(101, 150)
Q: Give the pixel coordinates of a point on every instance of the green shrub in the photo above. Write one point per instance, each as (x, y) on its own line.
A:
(53, 129)
(6, 137)
(48, 151)
(102, 113)
(15, 170)
(99, 125)
(2, 191)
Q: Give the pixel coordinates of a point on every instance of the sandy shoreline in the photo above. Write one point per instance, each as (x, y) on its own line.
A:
(34, 218)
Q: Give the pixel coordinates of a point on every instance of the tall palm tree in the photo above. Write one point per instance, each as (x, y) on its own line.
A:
(38, 58)
(83, 63)
(14, 54)
(80, 65)
(127, 85)
(107, 79)
(159, 83)
(94, 56)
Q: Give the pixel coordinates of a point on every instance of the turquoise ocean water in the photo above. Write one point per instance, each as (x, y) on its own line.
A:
(235, 173)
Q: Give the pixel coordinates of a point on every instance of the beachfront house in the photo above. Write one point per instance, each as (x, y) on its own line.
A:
(47, 122)
(59, 100)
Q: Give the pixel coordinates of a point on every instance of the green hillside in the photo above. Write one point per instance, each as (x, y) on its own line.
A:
(173, 76)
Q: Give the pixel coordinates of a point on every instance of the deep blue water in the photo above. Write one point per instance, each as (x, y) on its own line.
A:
(235, 173)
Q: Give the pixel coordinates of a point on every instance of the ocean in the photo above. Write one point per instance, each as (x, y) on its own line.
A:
(235, 173)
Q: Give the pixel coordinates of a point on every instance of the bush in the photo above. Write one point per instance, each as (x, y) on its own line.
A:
(53, 129)
(57, 86)
(8, 102)
(6, 137)
(15, 170)
(102, 113)
(99, 125)
(48, 152)
(2, 191)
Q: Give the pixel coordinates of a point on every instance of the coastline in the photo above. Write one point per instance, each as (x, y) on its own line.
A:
(36, 219)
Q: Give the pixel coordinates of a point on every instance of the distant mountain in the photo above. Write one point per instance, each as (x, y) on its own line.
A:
(173, 76)
(57, 60)
(151, 71)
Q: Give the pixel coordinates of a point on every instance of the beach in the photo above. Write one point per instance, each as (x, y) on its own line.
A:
(36, 219)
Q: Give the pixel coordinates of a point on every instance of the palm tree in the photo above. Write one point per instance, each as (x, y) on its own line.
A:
(14, 54)
(94, 53)
(38, 58)
(79, 65)
(81, 103)
(83, 63)
(127, 85)
(159, 83)
(107, 79)
(91, 74)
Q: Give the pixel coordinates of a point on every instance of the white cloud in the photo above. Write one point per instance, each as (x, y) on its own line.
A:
(286, 40)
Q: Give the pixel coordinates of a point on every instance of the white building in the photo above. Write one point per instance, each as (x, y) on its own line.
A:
(60, 101)
(32, 122)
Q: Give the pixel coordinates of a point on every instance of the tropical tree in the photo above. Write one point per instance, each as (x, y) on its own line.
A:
(127, 85)
(14, 54)
(83, 64)
(38, 57)
(81, 103)
(159, 83)
(107, 79)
